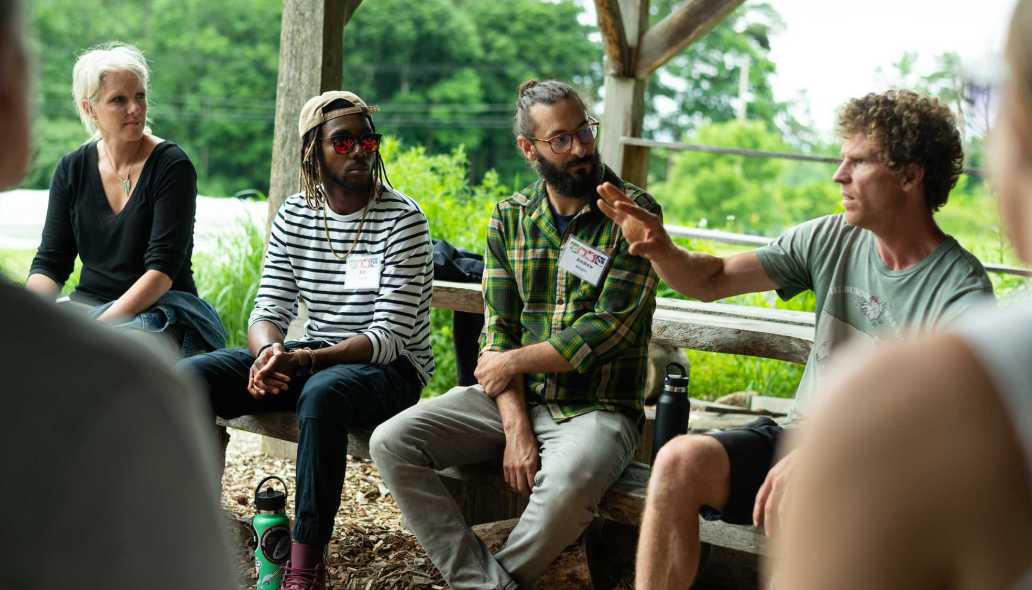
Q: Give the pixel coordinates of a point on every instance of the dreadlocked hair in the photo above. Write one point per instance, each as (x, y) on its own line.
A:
(310, 177)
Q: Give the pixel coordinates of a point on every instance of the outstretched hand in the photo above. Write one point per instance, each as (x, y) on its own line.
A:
(643, 230)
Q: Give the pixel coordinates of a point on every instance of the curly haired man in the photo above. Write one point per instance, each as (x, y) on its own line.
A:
(881, 266)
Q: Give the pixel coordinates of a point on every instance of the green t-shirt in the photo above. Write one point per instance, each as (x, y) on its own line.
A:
(858, 298)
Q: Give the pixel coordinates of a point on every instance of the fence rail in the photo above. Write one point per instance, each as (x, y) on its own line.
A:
(723, 237)
(712, 149)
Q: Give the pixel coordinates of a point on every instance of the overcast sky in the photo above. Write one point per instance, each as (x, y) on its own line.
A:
(832, 49)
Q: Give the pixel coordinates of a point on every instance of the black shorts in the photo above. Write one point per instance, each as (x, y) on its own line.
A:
(750, 448)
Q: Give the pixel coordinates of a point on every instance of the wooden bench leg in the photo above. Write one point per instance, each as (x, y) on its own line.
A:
(221, 442)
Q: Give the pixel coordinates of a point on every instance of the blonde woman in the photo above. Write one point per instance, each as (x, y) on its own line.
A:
(107, 468)
(124, 203)
(919, 473)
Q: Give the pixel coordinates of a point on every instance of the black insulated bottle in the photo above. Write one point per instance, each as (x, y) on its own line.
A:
(672, 408)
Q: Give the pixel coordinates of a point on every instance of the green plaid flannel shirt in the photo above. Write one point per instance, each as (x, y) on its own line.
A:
(602, 331)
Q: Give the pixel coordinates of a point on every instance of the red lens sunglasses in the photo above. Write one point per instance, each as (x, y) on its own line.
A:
(367, 142)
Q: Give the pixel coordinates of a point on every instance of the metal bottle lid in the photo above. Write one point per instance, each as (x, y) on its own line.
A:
(269, 499)
(676, 382)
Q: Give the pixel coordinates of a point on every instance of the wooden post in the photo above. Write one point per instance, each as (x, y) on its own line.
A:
(623, 24)
(632, 55)
(310, 62)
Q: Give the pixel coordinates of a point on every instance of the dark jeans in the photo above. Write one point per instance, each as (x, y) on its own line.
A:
(328, 404)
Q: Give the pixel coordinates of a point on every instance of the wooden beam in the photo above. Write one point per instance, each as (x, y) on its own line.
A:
(678, 30)
(310, 62)
(622, 115)
(614, 37)
(624, 107)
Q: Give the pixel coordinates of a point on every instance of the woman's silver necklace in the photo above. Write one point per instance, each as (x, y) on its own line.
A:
(124, 180)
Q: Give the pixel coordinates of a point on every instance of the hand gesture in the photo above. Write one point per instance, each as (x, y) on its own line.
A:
(270, 372)
(771, 497)
(521, 460)
(643, 230)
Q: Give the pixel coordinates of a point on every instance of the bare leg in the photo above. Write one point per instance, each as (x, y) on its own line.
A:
(922, 485)
(690, 472)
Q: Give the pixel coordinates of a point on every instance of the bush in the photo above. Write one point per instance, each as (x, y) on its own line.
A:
(229, 279)
(457, 212)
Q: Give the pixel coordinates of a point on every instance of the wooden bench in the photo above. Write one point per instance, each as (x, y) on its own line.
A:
(712, 327)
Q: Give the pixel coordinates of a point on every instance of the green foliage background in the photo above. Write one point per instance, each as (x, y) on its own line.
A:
(444, 73)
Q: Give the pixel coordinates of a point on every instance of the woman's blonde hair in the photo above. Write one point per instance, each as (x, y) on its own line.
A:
(97, 62)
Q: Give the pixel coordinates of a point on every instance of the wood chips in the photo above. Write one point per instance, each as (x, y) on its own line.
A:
(370, 549)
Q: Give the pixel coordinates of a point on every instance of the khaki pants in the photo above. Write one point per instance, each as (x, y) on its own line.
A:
(580, 458)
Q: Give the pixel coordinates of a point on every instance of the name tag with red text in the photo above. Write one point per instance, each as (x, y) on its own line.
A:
(363, 272)
(583, 261)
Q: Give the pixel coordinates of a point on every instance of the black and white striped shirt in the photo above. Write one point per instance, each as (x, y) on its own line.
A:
(300, 264)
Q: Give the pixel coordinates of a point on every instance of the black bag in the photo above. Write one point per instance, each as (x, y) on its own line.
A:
(456, 264)
(463, 266)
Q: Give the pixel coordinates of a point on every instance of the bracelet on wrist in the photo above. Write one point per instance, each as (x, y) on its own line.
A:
(264, 346)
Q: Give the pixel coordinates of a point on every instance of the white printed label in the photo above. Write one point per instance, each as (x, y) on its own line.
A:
(363, 272)
(583, 261)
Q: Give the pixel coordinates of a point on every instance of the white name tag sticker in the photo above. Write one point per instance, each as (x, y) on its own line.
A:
(363, 272)
(583, 261)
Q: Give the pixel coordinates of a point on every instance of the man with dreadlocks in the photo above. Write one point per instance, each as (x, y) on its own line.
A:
(562, 366)
(358, 253)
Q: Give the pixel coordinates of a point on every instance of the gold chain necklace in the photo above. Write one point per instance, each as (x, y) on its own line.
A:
(326, 227)
(126, 183)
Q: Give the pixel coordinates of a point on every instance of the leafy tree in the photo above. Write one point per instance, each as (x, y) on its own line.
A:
(445, 72)
(700, 84)
(735, 193)
(213, 80)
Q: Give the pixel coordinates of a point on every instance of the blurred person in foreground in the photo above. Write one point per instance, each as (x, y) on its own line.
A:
(880, 268)
(568, 316)
(928, 482)
(107, 465)
(124, 203)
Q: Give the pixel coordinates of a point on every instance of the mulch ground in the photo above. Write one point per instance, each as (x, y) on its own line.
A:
(370, 549)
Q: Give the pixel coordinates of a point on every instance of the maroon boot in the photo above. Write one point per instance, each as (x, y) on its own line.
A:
(306, 569)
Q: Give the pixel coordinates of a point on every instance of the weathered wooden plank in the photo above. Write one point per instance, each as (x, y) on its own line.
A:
(310, 62)
(283, 426)
(713, 327)
(614, 37)
(466, 297)
(711, 333)
(781, 316)
(678, 30)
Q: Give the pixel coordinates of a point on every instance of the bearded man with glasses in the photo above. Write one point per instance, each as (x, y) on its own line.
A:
(562, 367)
(358, 253)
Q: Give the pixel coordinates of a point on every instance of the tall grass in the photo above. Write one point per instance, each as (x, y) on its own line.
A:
(228, 278)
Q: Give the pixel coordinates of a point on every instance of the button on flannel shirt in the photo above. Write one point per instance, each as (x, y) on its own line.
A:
(602, 331)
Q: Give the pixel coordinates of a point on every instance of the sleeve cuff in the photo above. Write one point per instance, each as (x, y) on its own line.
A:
(574, 348)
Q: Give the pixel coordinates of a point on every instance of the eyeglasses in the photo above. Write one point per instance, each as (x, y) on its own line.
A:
(563, 143)
(367, 142)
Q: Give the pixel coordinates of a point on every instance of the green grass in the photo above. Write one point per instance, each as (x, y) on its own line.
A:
(14, 266)
(228, 279)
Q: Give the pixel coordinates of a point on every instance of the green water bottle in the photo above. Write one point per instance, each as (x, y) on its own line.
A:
(272, 533)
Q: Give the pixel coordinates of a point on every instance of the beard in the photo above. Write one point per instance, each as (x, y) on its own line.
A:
(349, 182)
(570, 184)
